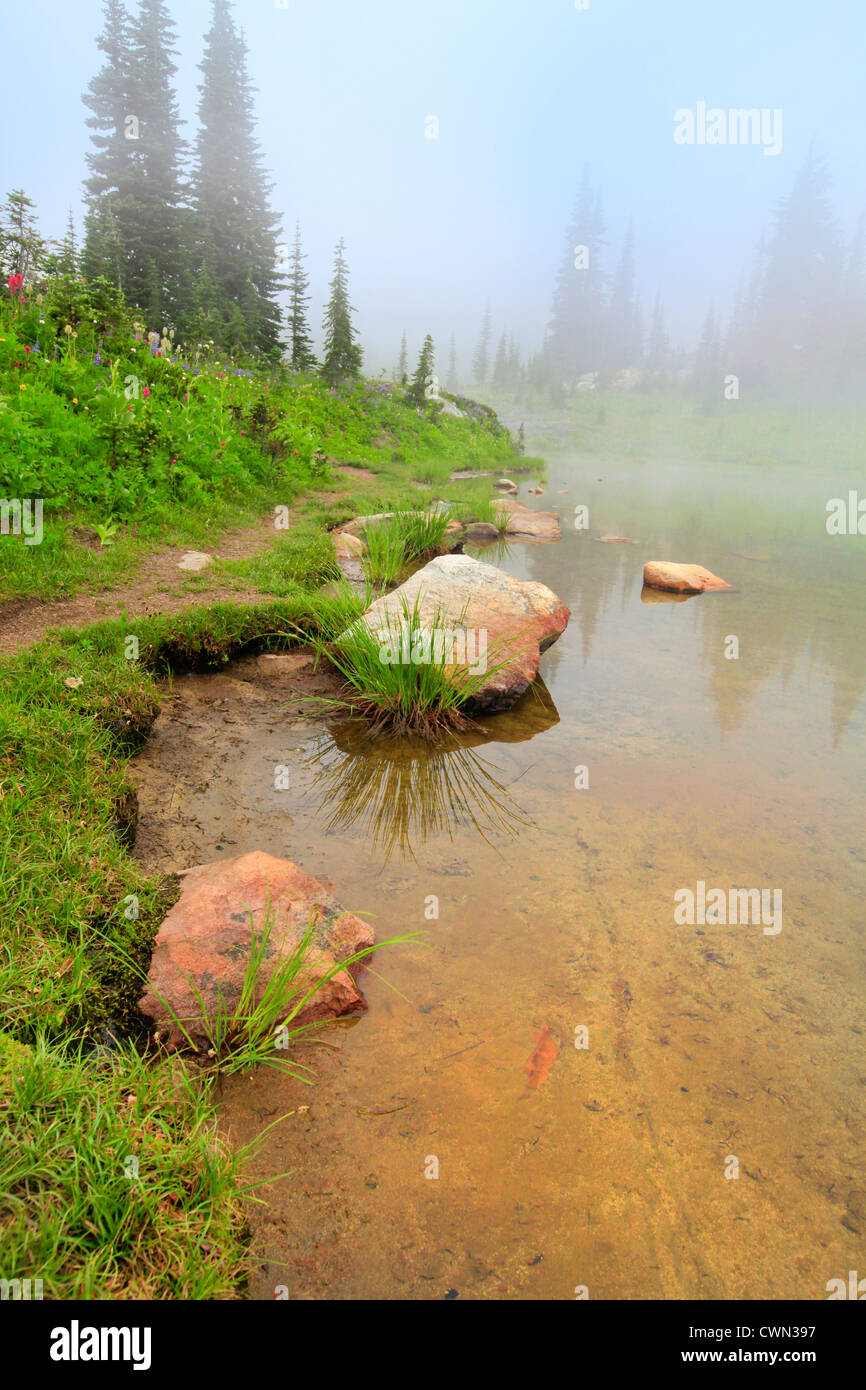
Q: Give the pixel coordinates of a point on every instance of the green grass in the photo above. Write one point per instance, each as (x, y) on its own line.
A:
(254, 1029)
(115, 1181)
(303, 557)
(198, 456)
(427, 697)
(407, 536)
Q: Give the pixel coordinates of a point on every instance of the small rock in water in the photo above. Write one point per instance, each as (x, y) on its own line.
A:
(194, 560)
(506, 485)
(680, 579)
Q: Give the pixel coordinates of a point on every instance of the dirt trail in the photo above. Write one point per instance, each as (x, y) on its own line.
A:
(157, 586)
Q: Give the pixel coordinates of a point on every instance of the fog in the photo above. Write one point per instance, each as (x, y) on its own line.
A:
(447, 143)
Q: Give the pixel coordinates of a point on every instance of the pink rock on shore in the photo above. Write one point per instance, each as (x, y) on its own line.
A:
(205, 941)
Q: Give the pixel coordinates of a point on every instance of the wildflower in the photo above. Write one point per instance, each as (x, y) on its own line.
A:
(27, 349)
(22, 387)
(15, 283)
(74, 400)
(146, 392)
(68, 329)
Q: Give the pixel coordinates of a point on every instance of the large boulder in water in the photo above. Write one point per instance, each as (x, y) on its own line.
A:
(502, 624)
(680, 579)
(205, 942)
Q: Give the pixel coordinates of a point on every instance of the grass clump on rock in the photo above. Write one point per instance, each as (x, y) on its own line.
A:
(412, 675)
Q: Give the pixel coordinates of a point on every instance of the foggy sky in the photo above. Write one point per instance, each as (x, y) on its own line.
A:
(526, 92)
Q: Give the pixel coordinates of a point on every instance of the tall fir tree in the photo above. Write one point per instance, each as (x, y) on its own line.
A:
(21, 244)
(658, 347)
(500, 364)
(451, 382)
(423, 377)
(403, 361)
(155, 277)
(342, 354)
(623, 345)
(575, 338)
(110, 217)
(481, 361)
(301, 355)
(235, 231)
(708, 360)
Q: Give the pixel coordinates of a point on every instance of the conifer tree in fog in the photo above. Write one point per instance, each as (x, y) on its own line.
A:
(481, 361)
(235, 235)
(154, 263)
(301, 355)
(658, 346)
(109, 217)
(451, 380)
(708, 360)
(423, 377)
(342, 355)
(624, 332)
(403, 362)
(21, 244)
(575, 339)
(500, 364)
(796, 290)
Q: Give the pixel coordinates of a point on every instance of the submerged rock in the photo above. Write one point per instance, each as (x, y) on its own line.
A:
(205, 942)
(503, 624)
(680, 579)
(525, 521)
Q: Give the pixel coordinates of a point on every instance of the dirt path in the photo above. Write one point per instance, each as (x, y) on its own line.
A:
(157, 585)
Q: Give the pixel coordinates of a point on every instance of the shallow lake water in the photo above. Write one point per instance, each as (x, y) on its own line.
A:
(711, 1050)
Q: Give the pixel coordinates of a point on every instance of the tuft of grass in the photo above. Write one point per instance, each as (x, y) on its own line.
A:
(115, 1181)
(404, 538)
(254, 1028)
(425, 697)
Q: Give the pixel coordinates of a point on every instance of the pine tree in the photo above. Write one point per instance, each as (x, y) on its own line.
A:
(796, 290)
(301, 355)
(154, 274)
(342, 355)
(500, 365)
(403, 363)
(481, 361)
(423, 377)
(64, 258)
(235, 232)
(658, 346)
(708, 359)
(452, 383)
(622, 348)
(110, 217)
(514, 372)
(22, 246)
(575, 339)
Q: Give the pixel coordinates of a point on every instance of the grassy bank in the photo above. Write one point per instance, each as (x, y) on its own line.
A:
(115, 1183)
